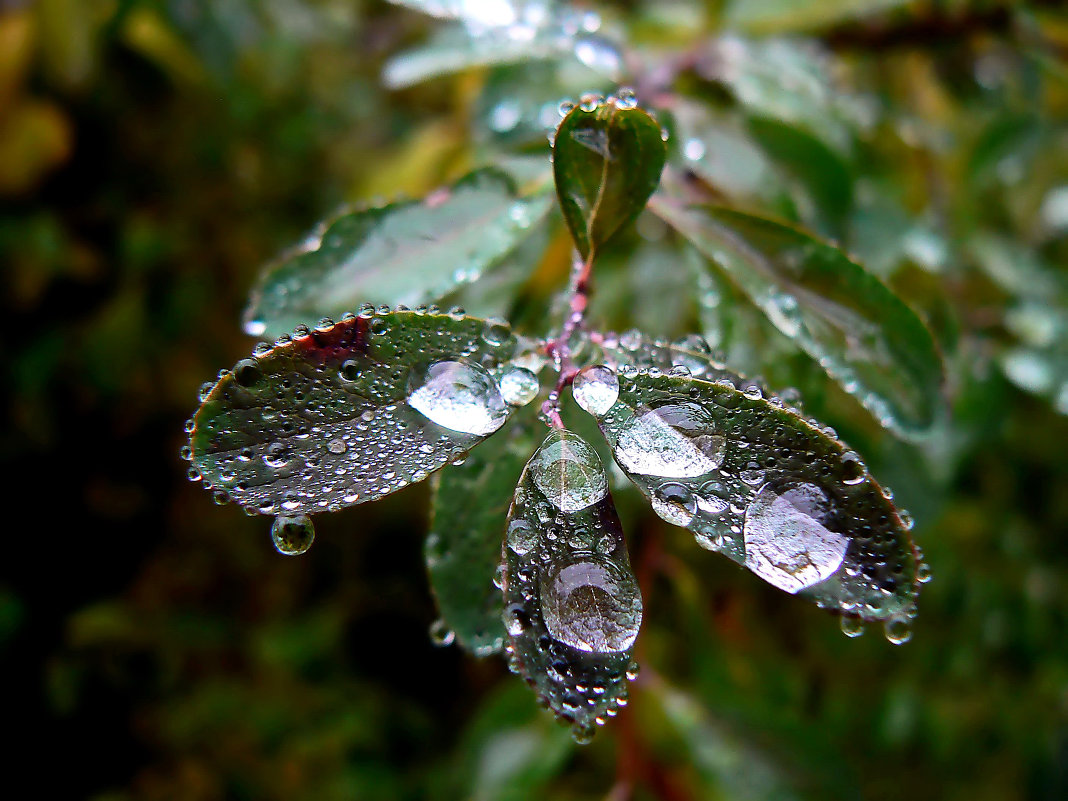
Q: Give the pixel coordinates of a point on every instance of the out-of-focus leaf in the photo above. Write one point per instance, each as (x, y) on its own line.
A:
(572, 604)
(862, 334)
(489, 13)
(755, 481)
(404, 253)
(779, 16)
(820, 171)
(607, 159)
(723, 759)
(351, 411)
(35, 137)
(463, 548)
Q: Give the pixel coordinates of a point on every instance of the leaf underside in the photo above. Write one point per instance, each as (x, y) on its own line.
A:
(327, 419)
(757, 482)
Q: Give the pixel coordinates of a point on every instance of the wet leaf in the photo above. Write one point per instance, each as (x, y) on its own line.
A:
(607, 159)
(755, 481)
(404, 253)
(572, 604)
(463, 548)
(862, 334)
(351, 411)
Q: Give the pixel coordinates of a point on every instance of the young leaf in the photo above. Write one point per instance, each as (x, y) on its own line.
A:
(607, 158)
(760, 484)
(572, 604)
(861, 333)
(463, 549)
(351, 411)
(404, 253)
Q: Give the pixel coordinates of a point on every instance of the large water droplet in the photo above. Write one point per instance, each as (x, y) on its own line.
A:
(786, 541)
(592, 605)
(673, 441)
(292, 535)
(460, 397)
(595, 389)
(568, 472)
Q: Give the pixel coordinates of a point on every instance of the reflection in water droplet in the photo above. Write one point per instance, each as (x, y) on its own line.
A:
(595, 389)
(898, 630)
(522, 537)
(674, 441)
(851, 626)
(592, 605)
(786, 541)
(568, 472)
(461, 397)
(519, 386)
(292, 535)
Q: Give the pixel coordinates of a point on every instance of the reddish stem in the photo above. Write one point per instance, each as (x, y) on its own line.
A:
(560, 347)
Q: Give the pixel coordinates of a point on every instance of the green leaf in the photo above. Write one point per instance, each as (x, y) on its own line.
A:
(351, 411)
(407, 253)
(463, 549)
(755, 481)
(607, 159)
(863, 335)
(572, 604)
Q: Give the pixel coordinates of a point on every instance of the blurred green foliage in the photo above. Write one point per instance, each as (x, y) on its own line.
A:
(155, 153)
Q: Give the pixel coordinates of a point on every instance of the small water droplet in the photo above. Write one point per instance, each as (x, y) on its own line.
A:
(519, 386)
(898, 630)
(441, 635)
(852, 626)
(337, 446)
(522, 536)
(292, 534)
(595, 389)
(675, 504)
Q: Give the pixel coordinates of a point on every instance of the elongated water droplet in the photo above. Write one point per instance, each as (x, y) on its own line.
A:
(595, 389)
(674, 441)
(786, 541)
(460, 397)
(292, 535)
(568, 472)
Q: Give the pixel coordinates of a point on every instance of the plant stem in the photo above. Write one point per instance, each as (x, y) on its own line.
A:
(560, 347)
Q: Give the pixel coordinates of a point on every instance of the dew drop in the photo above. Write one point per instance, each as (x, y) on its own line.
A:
(786, 541)
(592, 605)
(675, 504)
(247, 373)
(898, 630)
(522, 537)
(852, 626)
(441, 635)
(292, 534)
(337, 446)
(595, 389)
(673, 441)
(568, 472)
(460, 397)
(519, 386)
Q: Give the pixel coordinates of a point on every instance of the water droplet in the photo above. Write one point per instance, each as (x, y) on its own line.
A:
(247, 373)
(852, 626)
(522, 537)
(568, 472)
(277, 455)
(898, 630)
(519, 386)
(460, 397)
(292, 535)
(923, 573)
(592, 605)
(786, 540)
(441, 635)
(337, 446)
(495, 332)
(675, 504)
(673, 441)
(595, 389)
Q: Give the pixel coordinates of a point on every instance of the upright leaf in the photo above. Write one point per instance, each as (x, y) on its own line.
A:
(404, 253)
(463, 549)
(607, 159)
(859, 331)
(572, 605)
(351, 411)
(755, 481)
